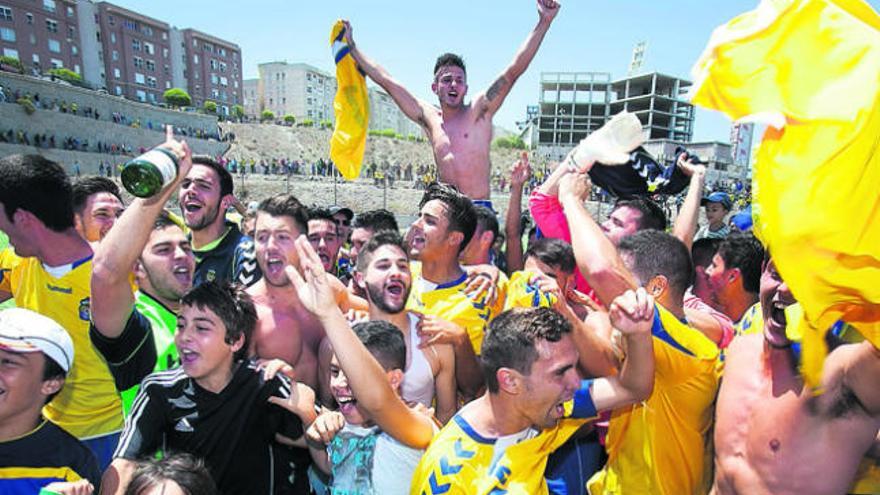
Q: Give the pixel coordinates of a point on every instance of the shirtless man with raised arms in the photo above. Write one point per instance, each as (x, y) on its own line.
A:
(460, 133)
(772, 436)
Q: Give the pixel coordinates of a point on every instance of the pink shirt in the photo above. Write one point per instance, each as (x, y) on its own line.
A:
(693, 302)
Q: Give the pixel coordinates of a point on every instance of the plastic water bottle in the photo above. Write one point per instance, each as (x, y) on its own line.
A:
(147, 174)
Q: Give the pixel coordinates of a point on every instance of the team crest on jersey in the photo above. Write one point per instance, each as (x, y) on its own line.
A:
(84, 309)
(211, 275)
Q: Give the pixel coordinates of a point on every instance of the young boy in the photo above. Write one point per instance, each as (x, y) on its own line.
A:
(718, 205)
(375, 441)
(216, 406)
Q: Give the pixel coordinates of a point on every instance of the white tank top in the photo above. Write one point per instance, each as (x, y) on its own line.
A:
(418, 378)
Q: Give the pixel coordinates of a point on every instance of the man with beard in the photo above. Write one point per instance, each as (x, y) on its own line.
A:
(222, 252)
(772, 434)
(363, 228)
(285, 329)
(383, 273)
(460, 133)
(163, 264)
(96, 206)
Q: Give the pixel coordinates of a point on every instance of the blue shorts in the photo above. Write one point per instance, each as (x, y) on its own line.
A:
(103, 448)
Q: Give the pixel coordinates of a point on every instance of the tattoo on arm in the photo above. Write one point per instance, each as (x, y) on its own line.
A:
(496, 88)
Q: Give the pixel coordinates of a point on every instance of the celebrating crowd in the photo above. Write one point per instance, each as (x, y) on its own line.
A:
(317, 349)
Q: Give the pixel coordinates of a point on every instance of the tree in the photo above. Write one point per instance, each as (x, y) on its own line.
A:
(326, 124)
(209, 107)
(510, 142)
(289, 119)
(177, 97)
(238, 111)
(66, 75)
(11, 64)
(267, 115)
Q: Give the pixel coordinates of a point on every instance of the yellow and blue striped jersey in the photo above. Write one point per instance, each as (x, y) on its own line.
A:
(660, 446)
(459, 460)
(88, 405)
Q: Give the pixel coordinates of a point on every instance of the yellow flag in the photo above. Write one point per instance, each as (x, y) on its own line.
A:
(352, 109)
(810, 69)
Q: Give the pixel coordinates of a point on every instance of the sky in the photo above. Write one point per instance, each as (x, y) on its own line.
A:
(406, 36)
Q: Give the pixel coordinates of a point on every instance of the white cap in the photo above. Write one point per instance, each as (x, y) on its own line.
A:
(23, 330)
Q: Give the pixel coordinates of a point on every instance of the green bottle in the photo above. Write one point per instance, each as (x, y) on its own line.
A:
(147, 174)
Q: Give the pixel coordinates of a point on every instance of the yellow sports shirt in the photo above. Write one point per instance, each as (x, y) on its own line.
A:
(459, 460)
(449, 302)
(88, 405)
(661, 445)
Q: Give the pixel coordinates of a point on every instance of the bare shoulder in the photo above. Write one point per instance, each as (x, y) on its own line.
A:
(850, 378)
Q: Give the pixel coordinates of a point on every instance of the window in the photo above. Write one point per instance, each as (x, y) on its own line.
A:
(139, 78)
(111, 20)
(195, 44)
(151, 82)
(149, 48)
(167, 84)
(164, 36)
(223, 52)
(141, 95)
(223, 82)
(147, 30)
(49, 5)
(213, 64)
(130, 25)
(113, 38)
(9, 52)
(54, 46)
(164, 53)
(166, 69)
(222, 67)
(56, 64)
(71, 32)
(151, 97)
(69, 11)
(51, 26)
(214, 79)
(36, 59)
(115, 56)
(136, 45)
(28, 16)
(74, 50)
(151, 65)
(5, 14)
(118, 91)
(117, 74)
(7, 34)
(139, 62)
(76, 68)
(196, 58)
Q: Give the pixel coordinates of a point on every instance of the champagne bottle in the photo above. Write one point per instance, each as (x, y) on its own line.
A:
(147, 174)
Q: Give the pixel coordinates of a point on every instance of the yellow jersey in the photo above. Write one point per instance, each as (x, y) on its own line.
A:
(449, 302)
(523, 293)
(661, 445)
(88, 405)
(460, 460)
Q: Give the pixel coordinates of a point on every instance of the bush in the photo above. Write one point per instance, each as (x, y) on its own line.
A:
(209, 107)
(66, 75)
(267, 115)
(177, 97)
(307, 123)
(289, 119)
(384, 133)
(11, 64)
(27, 105)
(238, 111)
(326, 124)
(510, 142)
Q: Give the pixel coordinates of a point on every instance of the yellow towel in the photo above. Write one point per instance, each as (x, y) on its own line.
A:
(352, 108)
(811, 70)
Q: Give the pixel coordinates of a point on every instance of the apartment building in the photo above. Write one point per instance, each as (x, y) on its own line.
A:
(41, 34)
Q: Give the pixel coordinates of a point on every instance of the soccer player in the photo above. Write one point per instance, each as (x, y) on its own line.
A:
(459, 132)
(50, 273)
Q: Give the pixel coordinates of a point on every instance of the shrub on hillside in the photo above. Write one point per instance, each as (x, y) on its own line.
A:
(177, 97)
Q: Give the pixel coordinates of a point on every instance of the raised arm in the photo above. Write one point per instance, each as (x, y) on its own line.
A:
(365, 375)
(490, 101)
(686, 222)
(632, 313)
(519, 174)
(411, 106)
(112, 300)
(597, 258)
